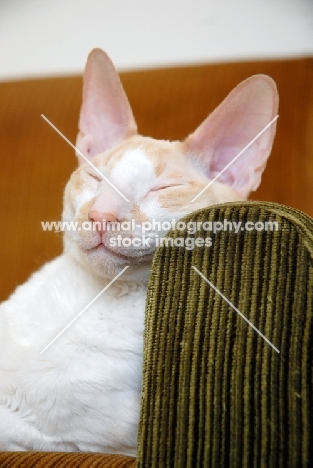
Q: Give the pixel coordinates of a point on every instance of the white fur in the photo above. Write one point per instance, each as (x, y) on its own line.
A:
(83, 393)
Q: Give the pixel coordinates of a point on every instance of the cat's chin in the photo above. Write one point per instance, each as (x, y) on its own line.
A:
(101, 251)
(103, 262)
(104, 253)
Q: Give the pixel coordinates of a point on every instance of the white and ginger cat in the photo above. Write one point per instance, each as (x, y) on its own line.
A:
(83, 392)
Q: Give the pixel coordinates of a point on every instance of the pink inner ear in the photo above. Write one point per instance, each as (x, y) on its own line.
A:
(106, 117)
(231, 127)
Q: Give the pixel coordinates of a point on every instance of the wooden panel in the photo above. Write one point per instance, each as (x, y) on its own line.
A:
(168, 104)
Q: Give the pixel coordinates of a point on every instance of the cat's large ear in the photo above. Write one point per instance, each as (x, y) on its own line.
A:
(231, 127)
(106, 117)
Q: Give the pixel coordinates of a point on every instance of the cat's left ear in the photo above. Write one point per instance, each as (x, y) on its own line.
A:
(231, 127)
(106, 117)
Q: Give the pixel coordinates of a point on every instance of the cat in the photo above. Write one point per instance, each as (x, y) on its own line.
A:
(83, 392)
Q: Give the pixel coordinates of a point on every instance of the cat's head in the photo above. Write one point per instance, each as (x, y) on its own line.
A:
(136, 180)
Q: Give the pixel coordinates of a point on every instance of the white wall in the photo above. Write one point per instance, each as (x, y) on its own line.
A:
(42, 37)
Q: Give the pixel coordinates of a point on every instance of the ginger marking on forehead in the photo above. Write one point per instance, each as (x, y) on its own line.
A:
(164, 155)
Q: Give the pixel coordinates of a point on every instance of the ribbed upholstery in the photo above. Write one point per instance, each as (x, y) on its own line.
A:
(63, 460)
(215, 393)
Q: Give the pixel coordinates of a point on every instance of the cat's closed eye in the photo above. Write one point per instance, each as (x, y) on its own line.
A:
(95, 176)
(164, 187)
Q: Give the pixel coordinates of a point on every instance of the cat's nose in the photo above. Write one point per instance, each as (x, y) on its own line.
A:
(102, 219)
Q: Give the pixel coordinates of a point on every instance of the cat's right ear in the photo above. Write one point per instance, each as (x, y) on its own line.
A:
(106, 117)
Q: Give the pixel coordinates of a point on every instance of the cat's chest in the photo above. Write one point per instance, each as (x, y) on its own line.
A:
(90, 375)
(101, 348)
(61, 299)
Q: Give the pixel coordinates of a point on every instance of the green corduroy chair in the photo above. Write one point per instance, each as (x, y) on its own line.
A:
(216, 393)
(227, 378)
